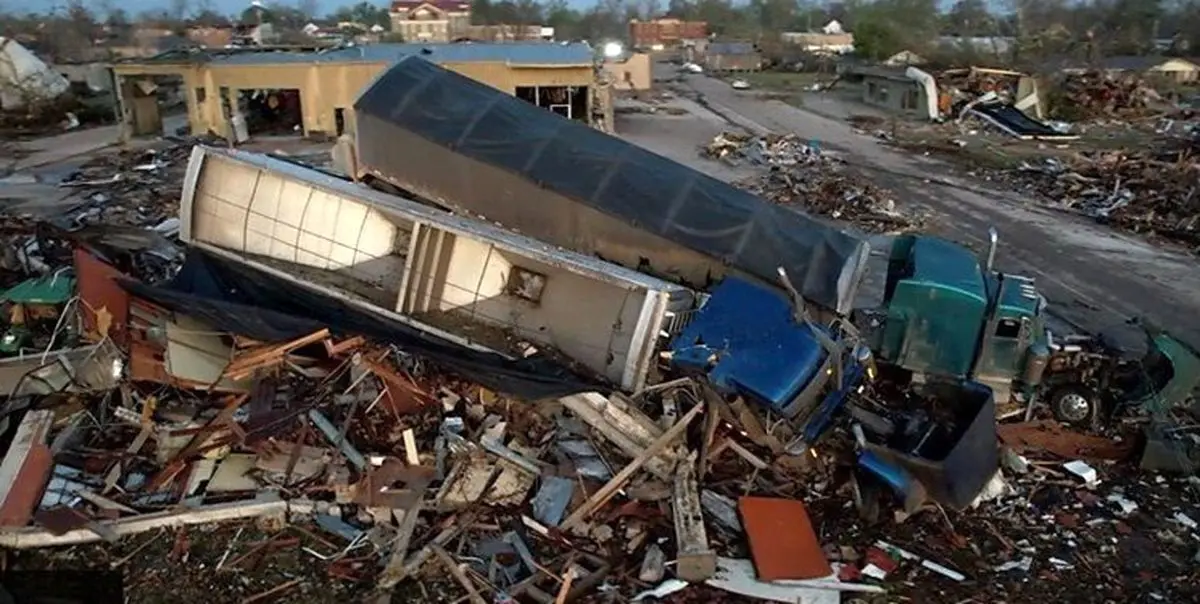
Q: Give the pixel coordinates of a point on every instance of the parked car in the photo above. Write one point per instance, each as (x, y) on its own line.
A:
(740, 85)
(693, 68)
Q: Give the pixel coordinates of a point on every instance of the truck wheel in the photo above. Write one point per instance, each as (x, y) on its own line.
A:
(1075, 405)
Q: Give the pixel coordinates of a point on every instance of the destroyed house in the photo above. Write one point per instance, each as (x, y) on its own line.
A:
(466, 146)
(459, 279)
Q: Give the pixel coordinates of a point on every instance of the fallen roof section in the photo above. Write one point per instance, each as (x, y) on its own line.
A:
(1015, 123)
(581, 169)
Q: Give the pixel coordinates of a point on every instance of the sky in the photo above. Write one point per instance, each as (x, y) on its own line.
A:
(228, 7)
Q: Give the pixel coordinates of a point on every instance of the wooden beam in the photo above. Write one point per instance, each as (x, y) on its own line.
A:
(38, 537)
(695, 561)
(607, 491)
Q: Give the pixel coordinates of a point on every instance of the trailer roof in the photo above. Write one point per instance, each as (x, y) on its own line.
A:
(625, 181)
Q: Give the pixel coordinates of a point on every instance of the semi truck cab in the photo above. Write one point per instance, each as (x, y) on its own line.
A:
(946, 316)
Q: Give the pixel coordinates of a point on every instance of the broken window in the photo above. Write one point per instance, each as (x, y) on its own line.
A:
(1008, 328)
(525, 284)
(570, 102)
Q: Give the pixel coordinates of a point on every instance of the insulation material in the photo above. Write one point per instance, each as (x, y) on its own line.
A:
(660, 208)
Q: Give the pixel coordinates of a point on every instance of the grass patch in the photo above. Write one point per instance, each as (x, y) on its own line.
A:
(781, 81)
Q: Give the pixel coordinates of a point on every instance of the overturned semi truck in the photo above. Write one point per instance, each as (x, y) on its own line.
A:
(458, 280)
(776, 327)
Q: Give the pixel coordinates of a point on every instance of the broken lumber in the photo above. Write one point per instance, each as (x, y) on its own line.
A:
(695, 560)
(624, 426)
(607, 491)
(458, 574)
(26, 469)
(33, 537)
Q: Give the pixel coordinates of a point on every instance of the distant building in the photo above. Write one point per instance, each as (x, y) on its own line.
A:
(632, 72)
(210, 37)
(891, 89)
(904, 57)
(987, 45)
(819, 42)
(254, 34)
(1170, 68)
(658, 34)
(507, 33)
(833, 28)
(732, 56)
(430, 20)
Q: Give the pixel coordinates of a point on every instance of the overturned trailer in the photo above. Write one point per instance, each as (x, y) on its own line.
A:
(459, 279)
(465, 146)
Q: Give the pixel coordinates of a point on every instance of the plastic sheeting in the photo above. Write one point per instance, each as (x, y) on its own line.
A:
(248, 302)
(642, 189)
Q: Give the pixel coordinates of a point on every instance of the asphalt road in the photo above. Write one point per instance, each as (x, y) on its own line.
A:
(1093, 277)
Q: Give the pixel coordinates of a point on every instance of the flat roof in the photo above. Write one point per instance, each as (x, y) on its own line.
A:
(516, 53)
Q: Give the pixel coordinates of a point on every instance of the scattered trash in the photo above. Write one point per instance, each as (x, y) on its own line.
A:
(800, 175)
(1083, 471)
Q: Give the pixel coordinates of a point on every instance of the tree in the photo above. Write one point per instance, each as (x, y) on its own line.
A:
(308, 8)
(886, 27)
(969, 18)
(177, 10)
(363, 13)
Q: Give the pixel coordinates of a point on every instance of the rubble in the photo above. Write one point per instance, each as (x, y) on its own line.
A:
(1096, 95)
(270, 457)
(1145, 192)
(800, 175)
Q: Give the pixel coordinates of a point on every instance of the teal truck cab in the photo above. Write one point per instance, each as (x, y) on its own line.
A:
(947, 318)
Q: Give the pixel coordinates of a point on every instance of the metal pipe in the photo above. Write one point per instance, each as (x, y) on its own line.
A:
(993, 238)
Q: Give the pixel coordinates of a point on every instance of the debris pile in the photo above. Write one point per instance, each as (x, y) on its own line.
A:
(168, 426)
(343, 467)
(1096, 95)
(133, 187)
(1141, 192)
(800, 175)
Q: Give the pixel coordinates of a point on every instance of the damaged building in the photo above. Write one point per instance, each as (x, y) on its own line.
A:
(241, 93)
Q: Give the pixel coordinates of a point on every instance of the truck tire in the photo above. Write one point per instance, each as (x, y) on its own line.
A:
(1075, 405)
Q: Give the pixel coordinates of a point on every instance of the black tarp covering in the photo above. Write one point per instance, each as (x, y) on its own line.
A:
(246, 301)
(622, 180)
(1017, 123)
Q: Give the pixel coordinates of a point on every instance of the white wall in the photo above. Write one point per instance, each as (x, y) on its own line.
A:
(590, 320)
(244, 209)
